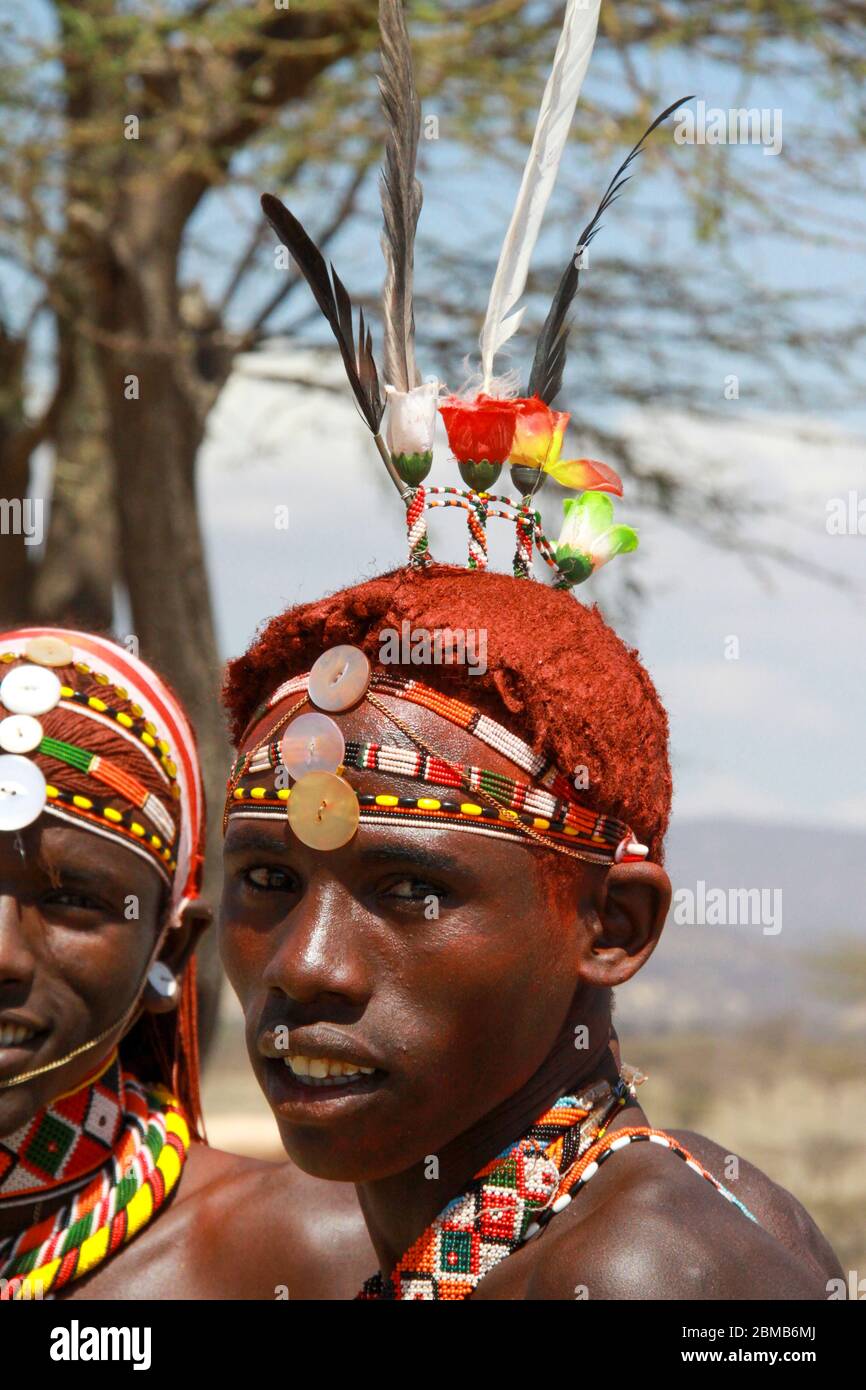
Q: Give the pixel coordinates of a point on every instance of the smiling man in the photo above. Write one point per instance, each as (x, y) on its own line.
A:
(107, 1189)
(430, 891)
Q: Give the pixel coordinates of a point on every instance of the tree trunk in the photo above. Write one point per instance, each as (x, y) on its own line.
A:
(155, 427)
(74, 584)
(16, 571)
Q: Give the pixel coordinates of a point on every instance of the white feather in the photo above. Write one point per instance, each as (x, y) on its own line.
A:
(551, 132)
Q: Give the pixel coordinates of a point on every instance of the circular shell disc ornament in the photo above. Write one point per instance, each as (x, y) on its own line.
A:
(339, 678)
(20, 733)
(30, 690)
(22, 792)
(49, 651)
(323, 811)
(312, 743)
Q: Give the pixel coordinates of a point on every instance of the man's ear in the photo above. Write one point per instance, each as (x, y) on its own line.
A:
(630, 910)
(181, 941)
(162, 985)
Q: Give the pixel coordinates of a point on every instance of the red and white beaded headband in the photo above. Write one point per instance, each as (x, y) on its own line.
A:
(324, 811)
(33, 688)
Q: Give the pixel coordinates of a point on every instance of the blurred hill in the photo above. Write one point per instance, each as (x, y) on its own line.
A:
(720, 978)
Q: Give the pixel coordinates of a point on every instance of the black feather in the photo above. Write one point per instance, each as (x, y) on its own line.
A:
(545, 379)
(335, 303)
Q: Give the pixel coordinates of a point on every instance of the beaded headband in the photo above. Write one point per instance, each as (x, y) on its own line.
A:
(165, 829)
(324, 811)
(491, 425)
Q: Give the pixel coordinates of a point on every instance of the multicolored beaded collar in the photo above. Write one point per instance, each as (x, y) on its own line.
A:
(324, 811)
(134, 1140)
(513, 1198)
(61, 1144)
(166, 830)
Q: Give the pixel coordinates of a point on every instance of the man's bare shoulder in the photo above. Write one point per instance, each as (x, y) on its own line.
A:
(777, 1210)
(243, 1228)
(306, 1231)
(656, 1229)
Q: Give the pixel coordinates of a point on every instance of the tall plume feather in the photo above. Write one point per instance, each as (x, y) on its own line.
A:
(551, 132)
(545, 379)
(334, 302)
(401, 195)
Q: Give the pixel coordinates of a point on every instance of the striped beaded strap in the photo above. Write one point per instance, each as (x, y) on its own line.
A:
(608, 838)
(144, 1170)
(147, 707)
(72, 806)
(130, 721)
(541, 768)
(542, 810)
(466, 717)
(113, 776)
(386, 808)
(457, 712)
(611, 1143)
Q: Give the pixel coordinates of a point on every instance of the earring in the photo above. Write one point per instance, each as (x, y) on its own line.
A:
(162, 988)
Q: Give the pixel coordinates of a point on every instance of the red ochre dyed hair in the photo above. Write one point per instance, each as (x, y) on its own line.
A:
(557, 675)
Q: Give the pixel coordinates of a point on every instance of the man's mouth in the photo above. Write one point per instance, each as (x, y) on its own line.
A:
(325, 1071)
(18, 1043)
(14, 1034)
(313, 1071)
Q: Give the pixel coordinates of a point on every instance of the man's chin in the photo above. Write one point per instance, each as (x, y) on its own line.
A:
(352, 1154)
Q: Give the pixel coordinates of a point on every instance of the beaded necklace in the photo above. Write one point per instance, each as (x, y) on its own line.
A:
(490, 1219)
(512, 1199)
(67, 1140)
(146, 1154)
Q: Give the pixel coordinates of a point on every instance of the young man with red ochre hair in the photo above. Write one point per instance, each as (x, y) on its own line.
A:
(430, 891)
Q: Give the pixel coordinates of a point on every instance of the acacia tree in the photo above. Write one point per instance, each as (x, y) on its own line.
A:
(120, 120)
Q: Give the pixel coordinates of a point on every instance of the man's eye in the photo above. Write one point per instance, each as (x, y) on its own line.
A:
(269, 880)
(414, 890)
(62, 898)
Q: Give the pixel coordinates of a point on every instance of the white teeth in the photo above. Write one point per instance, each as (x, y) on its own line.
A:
(13, 1033)
(325, 1071)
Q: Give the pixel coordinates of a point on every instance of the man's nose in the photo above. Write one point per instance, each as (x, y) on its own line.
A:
(320, 949)
(17, 959)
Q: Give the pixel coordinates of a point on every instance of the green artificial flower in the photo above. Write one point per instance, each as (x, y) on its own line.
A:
(588, 538)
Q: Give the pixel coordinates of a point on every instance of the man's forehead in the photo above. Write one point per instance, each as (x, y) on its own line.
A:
(74, 853)
(372, 845)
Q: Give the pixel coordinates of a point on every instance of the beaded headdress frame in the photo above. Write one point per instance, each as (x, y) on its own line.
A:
(491, 425)
(487, 428)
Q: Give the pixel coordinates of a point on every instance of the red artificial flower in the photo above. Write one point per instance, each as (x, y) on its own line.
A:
(537, 443)
(481, 429)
